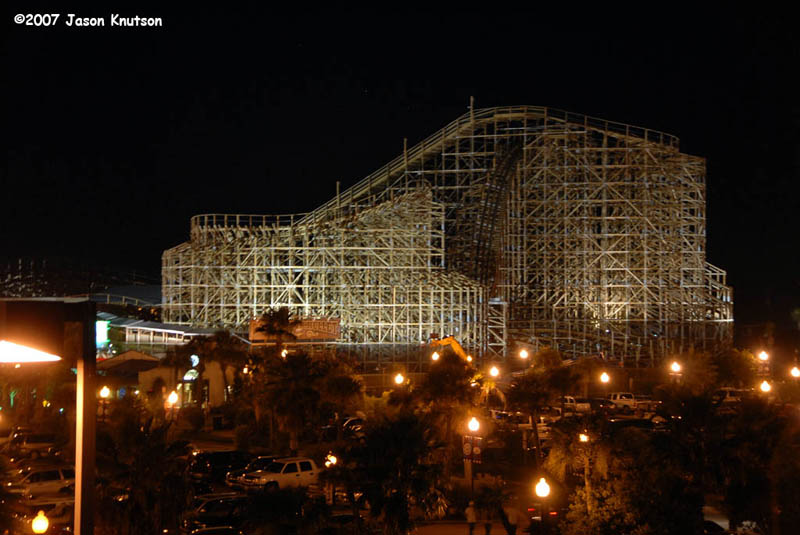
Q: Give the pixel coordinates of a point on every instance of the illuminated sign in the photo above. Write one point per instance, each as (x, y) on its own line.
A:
(326, 330)
(101, 333)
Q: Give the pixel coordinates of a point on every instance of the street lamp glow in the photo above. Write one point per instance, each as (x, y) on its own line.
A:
(284, 353)
(765, 387)
(494, 372)
(435, 356)
(523, 354)
(469, 358)
(675, 367)
(172, 399)
(399, 379)
(604, 378)
(330, 460)
(583, 437)
(105, 392)
(794, 372)
(474, 424)
(763, 356)
(542, 488)
(40, 523)
(12, 353)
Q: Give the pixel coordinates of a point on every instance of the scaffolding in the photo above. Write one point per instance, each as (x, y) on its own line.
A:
(513, 224)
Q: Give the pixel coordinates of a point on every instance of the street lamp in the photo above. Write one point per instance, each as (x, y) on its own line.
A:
(765, 386)
(435, 356)
(399, 379)
(494, 371)
(284, 353)
(523, 354)
(104, 393)
(11, 353)
(794, 372)
(675, 367)
(474, 424)
(40, 523)
(583, 437)
(330, 460)
(469, 358)
(172, 399)
(604, 378)
(763, 356)
(542, 488)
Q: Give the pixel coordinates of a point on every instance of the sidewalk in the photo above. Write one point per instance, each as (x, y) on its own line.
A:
(457, 528)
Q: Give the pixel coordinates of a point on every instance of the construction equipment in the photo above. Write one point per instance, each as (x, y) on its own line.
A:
(452, 343)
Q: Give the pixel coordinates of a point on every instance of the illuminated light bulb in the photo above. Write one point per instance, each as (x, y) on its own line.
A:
(583, 437)
(105, 392)
(284, 353)
(435, 356)
(675, 367)
(399, 379)
(469, 358)
(765, 387)
(474, 424)
(172, 399)
(40, 523)
(604, 377)
(494, 372)
(763, 356)
(542, 488)
(523, 354)
(795, 372)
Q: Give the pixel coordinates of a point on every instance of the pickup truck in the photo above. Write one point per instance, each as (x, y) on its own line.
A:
(627, 402)
(571, 404)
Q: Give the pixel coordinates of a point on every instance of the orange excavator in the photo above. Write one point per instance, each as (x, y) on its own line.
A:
(453, 343)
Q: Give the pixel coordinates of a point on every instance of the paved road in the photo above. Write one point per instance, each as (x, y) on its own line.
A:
(457, 528)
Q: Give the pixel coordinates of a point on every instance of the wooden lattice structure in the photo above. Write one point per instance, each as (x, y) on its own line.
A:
(519, 224)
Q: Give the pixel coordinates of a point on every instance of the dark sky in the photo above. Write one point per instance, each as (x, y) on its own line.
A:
(115, 136)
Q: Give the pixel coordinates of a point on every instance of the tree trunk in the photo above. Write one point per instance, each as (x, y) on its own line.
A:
(536, 442)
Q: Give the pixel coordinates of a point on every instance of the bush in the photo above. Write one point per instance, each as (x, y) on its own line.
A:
(243, 435)
(193, 416)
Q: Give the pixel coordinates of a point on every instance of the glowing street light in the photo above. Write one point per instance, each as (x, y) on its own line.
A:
(469, 358)
(675, 367)
(604, 377)
(474, 424)
(435, 356)
(40, 523)
(763, 356)
(583, 437)
(284, 353)
(11, 353)
(795, 372)
(172, 399)
(330, 460)
(494, 371)
(105, 392)
(542, 488)
(399, 379)
(765, 387)
(523, 354)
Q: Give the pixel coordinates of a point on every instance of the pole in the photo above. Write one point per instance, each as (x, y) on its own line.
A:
(85, 417)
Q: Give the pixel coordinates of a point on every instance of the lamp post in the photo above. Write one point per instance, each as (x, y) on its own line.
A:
(172, 399)
(765, 386)
(542, 490)
(675, 371)
(104, 393)
(469, 452)
(40, 523)
(494, 371)
(399, 379)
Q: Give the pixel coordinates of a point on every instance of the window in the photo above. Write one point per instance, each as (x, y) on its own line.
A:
(291, 468)
(68, 473)
(305, 466)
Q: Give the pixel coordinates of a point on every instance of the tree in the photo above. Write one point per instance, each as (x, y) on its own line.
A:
(291, 388)
(530, 394)
(137, 458)
(394, 466)
(278, 324)
(735, 367)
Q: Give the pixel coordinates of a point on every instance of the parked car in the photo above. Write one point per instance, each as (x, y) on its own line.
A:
(602, 405)
(571, 404)
(226, 511)
(38, 480)
(282, 473)
(234, 478)
(30, 444)
(213, 465)
(220, 530)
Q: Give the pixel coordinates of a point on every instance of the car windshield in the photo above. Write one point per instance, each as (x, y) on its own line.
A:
(275, 468)
(260, 464)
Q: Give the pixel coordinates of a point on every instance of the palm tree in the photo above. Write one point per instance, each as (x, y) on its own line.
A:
(530, 394)
(228, 351)
(279, 324)
(291, 390)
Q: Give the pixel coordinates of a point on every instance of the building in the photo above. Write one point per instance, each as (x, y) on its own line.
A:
(513, 225)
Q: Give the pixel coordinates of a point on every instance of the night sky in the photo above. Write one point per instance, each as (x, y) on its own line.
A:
(114, 137)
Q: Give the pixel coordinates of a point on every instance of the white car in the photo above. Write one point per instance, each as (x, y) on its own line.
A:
(38, 480)
(282, 473)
